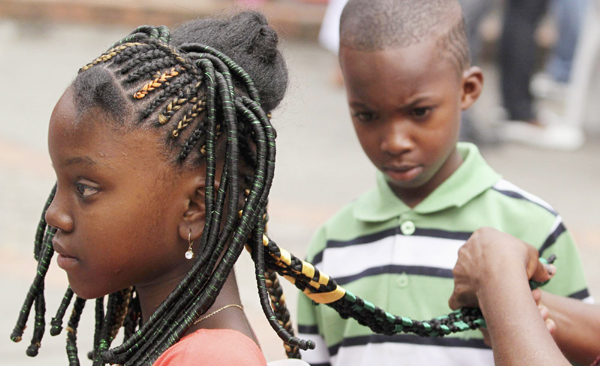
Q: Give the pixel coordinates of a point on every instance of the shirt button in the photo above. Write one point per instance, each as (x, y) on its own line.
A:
(408, 228)
(402, 280)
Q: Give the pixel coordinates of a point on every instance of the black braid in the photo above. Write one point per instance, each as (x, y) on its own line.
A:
(72, 331)
(98, 322)
(132, 59)
(56, 322)
(148, 70)
(281, 311)
(41, 229)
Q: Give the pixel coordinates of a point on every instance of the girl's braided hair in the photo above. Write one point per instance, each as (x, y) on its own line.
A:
(195, 93)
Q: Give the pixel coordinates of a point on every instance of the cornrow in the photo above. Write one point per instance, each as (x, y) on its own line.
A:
(148, 70)
(174, 87)
(109, 54)
(215, 97)
(127, 57)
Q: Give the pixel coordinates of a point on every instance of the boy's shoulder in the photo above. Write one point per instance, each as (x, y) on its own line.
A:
(511, 209)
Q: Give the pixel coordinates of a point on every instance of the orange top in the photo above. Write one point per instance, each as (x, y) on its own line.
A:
(213, 347)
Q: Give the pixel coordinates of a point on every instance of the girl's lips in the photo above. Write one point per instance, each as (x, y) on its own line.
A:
(403, 174)
(65, 262)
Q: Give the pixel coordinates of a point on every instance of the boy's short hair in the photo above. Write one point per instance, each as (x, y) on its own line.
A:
(372, 25)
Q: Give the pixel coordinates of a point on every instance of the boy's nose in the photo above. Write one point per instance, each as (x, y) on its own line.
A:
(396, 140)
(57, 216)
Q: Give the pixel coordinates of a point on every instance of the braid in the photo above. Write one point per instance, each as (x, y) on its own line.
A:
(281, 311)
(98, 322)
(72, 331)
(56, 322)
(149, 69)
(133, 61)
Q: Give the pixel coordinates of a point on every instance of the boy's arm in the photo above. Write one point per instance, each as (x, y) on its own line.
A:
(577, 327)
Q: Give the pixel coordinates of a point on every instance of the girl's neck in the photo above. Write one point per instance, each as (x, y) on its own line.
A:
(231, 318)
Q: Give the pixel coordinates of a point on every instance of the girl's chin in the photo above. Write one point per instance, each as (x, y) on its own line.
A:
(85, 291)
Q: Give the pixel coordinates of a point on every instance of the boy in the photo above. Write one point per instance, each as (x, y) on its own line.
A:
(406, 68)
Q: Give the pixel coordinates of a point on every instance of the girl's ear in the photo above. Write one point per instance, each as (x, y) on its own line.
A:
(472, 85)
(194, 213)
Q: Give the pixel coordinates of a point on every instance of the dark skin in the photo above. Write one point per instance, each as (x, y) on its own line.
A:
(124, 211)
(492, 273)
(405, 105)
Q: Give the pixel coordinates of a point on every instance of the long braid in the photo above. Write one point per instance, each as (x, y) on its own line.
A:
(56, 323)
(281, 311)
(41, 229)
(72, 331)
(98, 326)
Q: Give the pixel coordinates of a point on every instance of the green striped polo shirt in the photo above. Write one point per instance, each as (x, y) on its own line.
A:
(401, 260)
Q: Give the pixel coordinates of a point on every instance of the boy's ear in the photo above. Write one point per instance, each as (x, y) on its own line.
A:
(472, 85)
(194, 213)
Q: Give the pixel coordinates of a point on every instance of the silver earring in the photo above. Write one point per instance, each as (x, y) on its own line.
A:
(190, 253)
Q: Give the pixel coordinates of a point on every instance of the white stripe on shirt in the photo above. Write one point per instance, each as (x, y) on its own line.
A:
(411, 355)
(392, 250)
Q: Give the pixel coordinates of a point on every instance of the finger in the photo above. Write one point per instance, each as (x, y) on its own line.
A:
(459, 299)
(453, 302)
(543, 272)
(537, 295)
(544, 312)
(551, 325)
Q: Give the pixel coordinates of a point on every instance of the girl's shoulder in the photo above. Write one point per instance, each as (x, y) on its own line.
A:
(213, 347)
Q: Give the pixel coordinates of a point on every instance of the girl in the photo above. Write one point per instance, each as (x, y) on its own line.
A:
(164, 155)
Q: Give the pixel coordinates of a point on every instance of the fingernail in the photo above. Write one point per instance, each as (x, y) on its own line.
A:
(551, 269)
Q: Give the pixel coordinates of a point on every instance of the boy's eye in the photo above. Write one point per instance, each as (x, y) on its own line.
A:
(84, 190)
(364, 116)
(420, 112)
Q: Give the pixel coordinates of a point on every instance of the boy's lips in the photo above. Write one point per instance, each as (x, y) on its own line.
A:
(65, 260)
(403, 172)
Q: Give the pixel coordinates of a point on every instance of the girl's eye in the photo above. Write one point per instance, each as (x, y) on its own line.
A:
(84, 190)
(364, 116)
(421, 112)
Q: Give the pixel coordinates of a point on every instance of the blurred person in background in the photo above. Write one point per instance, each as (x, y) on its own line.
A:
(518, 49)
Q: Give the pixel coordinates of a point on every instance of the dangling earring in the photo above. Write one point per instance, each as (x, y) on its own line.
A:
(190, 253)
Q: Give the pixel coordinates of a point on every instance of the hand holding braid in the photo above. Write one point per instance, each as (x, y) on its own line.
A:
(195, 94)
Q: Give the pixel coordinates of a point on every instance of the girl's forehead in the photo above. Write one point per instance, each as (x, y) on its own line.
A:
(93, 133)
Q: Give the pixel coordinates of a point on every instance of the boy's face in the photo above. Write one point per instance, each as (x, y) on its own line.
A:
(406, 105)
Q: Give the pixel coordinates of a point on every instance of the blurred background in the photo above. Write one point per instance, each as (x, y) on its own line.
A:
(320, 166)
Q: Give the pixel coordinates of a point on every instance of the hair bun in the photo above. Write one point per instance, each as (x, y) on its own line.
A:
(248, 40)
(265, 43)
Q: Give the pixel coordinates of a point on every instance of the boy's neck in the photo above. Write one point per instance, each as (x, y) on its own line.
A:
(414, 196)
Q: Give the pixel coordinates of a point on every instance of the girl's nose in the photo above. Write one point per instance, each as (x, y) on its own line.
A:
(397, 139)
(57, 215)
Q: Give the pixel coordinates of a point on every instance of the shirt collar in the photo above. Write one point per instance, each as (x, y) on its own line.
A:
(473, 177)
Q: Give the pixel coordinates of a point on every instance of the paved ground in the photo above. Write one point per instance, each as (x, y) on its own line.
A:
(320, 167)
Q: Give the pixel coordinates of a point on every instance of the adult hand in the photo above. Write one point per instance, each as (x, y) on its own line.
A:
(485, 259)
